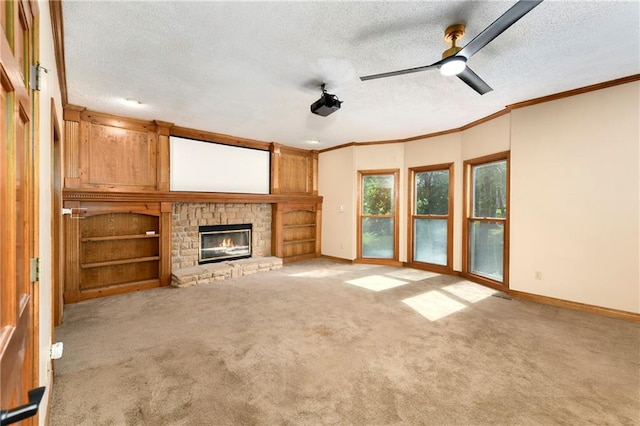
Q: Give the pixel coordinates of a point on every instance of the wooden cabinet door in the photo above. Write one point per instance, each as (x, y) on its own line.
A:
(17, 242)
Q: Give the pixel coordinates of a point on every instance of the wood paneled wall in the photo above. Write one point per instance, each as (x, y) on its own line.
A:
(108, 158)
(104, 152)
(293, 171)
(110, 153)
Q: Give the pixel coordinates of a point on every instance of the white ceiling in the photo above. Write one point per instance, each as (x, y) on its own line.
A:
(252, 69)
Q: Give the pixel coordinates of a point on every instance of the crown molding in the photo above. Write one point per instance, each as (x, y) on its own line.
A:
(506, 110)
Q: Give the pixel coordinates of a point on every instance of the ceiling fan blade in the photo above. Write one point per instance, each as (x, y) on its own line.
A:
(474, 81)
(498, 26)
(407, 71)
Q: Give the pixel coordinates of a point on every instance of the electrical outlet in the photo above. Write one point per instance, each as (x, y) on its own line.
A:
(537, 275)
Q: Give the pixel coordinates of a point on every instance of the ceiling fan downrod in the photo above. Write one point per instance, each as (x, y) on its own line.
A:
(452, 34)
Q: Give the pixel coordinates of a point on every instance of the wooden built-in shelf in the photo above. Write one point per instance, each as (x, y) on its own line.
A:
(310, 240)
(297, 231)
(110, 251)
(119, 262)
(114, 289)
(120, 237)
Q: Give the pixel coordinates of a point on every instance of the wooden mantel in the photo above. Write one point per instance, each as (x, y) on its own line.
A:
(186, 197)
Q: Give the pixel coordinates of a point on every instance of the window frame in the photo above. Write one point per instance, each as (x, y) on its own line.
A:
(395, 216)
(468, 219)
(412, 216)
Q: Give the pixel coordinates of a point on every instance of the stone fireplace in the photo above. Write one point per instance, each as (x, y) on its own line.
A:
(187, 218)
(224, 242)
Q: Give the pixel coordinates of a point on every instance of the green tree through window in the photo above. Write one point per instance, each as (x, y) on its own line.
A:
(487, 220)
(430, 216)
(378, 195)
(378, 211)
(432, 192)
(490, 190)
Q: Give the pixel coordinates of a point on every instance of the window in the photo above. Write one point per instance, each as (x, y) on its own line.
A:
(377, 221)
(486, 218)
(430, 223)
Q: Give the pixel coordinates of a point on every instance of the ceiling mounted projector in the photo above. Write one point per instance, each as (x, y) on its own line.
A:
(327, 104)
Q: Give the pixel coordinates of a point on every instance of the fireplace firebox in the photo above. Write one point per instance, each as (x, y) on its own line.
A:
(224, 242)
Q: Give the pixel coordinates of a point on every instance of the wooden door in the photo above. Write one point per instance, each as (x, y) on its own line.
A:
(56, 220)
(17, 239)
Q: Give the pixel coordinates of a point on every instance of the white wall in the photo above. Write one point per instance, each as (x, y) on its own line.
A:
(50, 89)
(574, 198)
(487, 138)
(575, 193)
(337, 179)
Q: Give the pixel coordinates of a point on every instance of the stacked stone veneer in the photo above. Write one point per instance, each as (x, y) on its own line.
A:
(186, 218)
(210, 272)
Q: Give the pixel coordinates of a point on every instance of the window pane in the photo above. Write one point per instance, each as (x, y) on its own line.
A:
(430, 236)
(486, 249)
(490, 190)
(432, 192)
(377, 195)
(377, 237)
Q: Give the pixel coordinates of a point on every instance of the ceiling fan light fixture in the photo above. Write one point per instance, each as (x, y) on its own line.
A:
(453, 65)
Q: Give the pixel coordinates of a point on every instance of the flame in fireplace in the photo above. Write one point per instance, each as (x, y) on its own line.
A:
(219, 242)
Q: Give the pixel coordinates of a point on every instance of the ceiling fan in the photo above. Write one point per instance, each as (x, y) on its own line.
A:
(454, 59)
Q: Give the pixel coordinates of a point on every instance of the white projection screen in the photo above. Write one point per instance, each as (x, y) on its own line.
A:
(214, 167)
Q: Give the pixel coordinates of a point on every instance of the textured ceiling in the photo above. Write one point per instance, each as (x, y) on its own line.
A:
(251, 69)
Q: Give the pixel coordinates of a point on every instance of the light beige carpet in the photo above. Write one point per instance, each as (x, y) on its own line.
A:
(321, 342)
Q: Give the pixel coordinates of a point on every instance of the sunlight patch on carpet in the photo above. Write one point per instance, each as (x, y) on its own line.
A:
(359, 267)
(377, 282)
(434, 305)
(412, 274)
(469, 291)
(318, 273)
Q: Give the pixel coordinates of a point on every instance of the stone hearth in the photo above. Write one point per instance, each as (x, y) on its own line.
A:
(212, 272)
